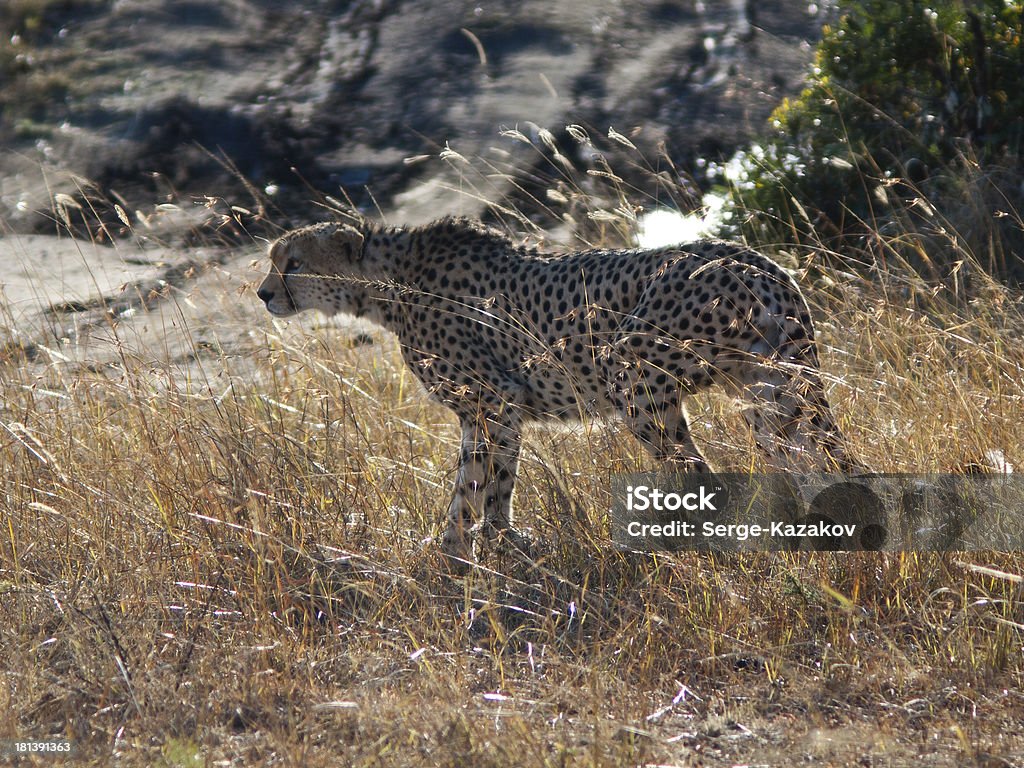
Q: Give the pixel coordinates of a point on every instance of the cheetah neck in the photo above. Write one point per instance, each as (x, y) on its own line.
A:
(402, 268)
(381, 278)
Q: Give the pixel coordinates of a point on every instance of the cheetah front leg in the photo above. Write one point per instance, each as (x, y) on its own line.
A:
(484, 481)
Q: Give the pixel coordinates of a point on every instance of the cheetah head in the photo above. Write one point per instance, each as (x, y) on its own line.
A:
(308, 270)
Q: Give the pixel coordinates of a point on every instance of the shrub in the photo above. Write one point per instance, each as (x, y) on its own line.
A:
(906, 99)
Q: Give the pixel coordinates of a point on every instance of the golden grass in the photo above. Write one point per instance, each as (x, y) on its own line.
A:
(223, 557)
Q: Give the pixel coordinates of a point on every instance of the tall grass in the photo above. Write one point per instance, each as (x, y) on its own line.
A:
(216, 546)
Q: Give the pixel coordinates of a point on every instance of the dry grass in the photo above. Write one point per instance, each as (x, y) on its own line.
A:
(223, 557)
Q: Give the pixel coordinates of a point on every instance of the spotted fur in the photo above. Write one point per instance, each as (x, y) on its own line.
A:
(504, 334)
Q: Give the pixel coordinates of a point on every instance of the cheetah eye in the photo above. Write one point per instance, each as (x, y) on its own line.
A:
(293, 267)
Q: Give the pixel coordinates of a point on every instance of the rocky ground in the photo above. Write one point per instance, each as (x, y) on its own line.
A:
(154, 99)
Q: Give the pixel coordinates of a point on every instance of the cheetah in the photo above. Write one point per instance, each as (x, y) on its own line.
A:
(504, 334)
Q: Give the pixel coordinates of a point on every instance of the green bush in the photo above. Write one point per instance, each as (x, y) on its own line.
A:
(905, 99)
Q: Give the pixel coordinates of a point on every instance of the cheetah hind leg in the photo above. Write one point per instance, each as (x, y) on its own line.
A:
(666, 434)
(792, 422)
(655, 415)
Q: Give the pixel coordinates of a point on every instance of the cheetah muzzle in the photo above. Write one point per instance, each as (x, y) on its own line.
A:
(504, 334)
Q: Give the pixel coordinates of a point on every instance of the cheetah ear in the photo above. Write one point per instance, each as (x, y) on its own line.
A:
(274, 249)
(351, 240)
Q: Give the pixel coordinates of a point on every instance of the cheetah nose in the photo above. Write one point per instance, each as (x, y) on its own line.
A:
(265, 295)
